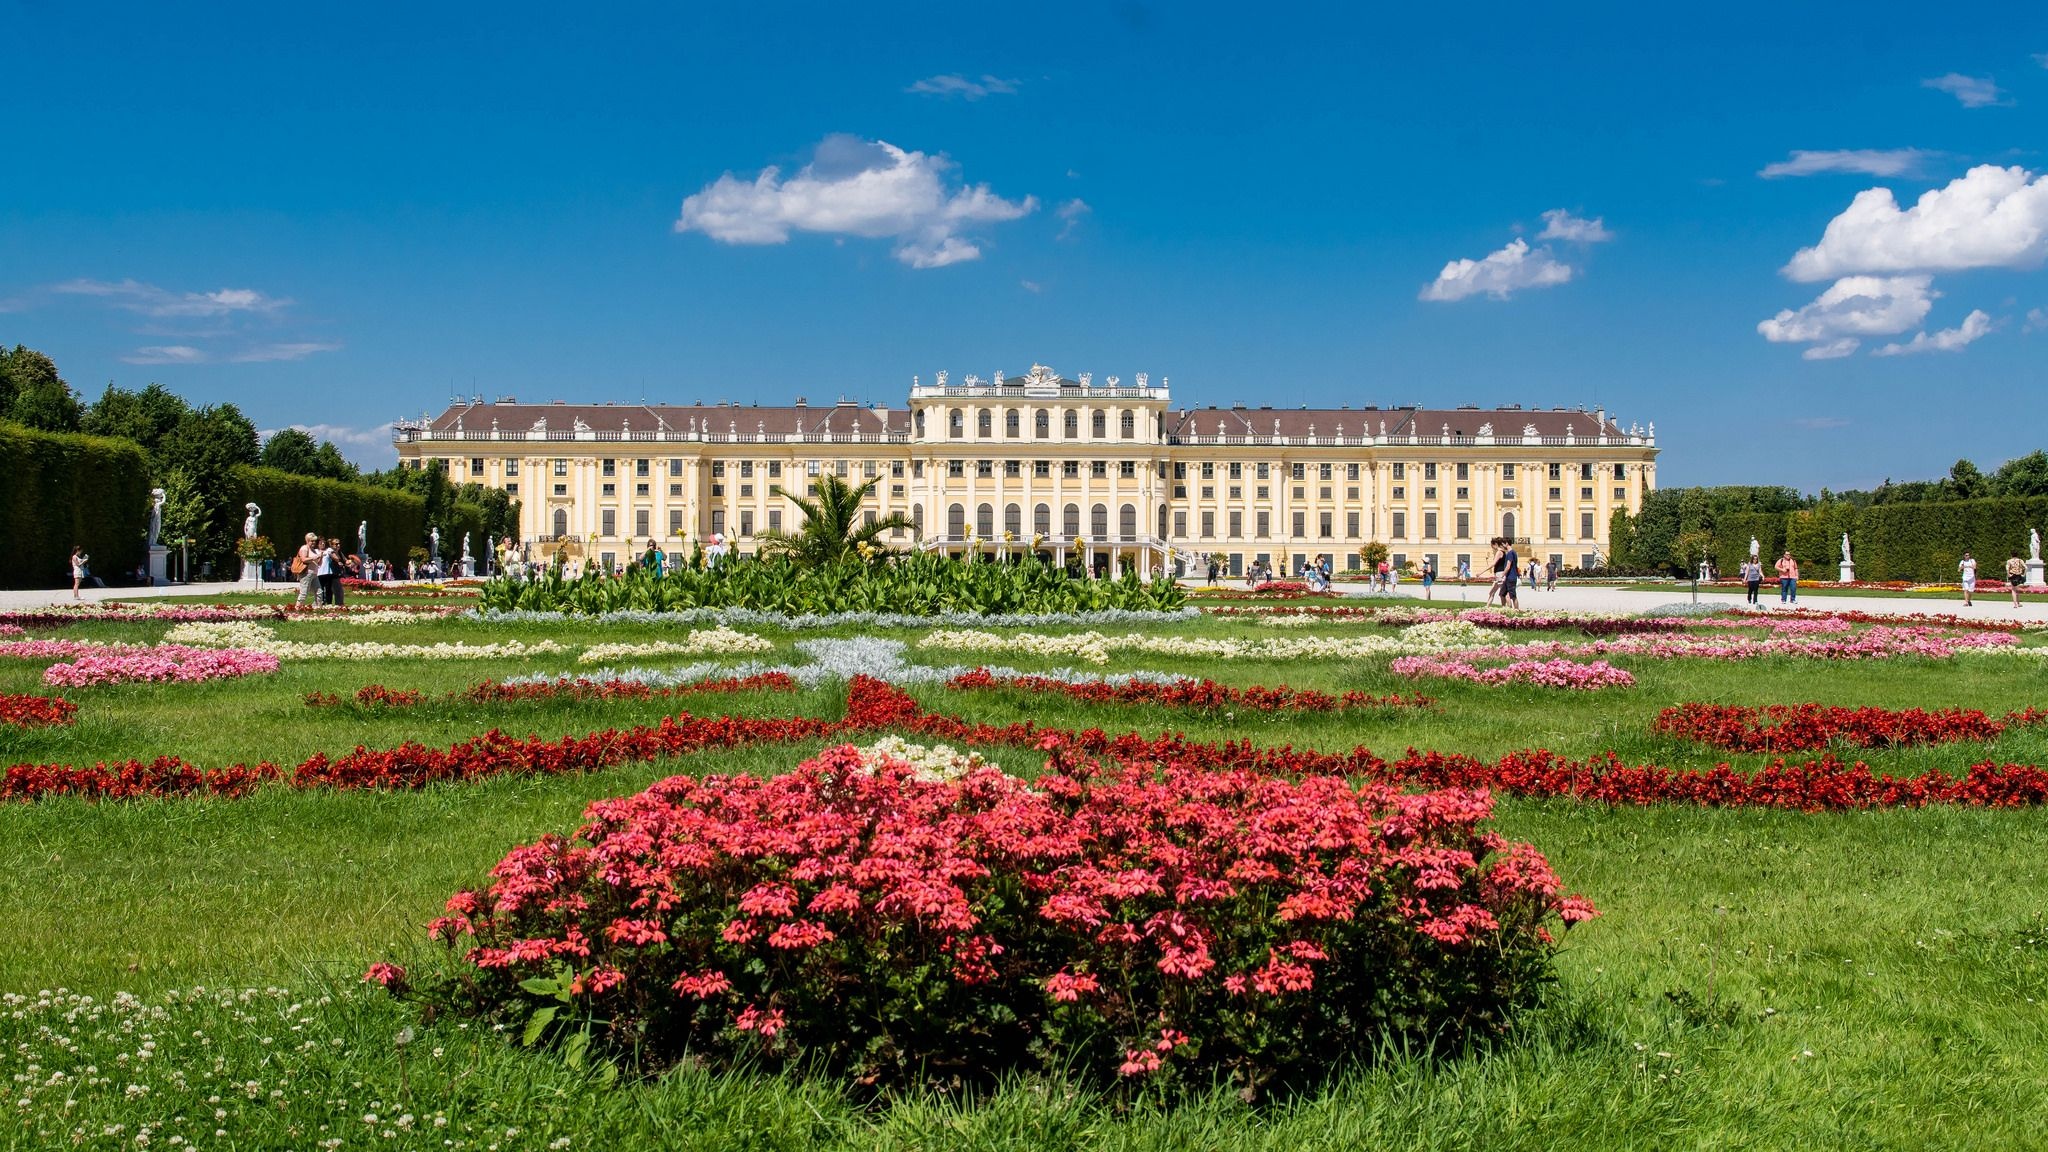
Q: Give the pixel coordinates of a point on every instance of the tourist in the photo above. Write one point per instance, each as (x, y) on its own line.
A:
(1752, 578)
(323, 571)
(1496, 560)
(2015, 575)
(1511, 571)
(1968, 567)
(78, 562)
(1788, 579)
(1550, 568)
(1428, 577)
(1214, 569)
(1464, 570)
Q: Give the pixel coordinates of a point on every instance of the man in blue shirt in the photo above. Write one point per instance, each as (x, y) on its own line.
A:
(1511, 574)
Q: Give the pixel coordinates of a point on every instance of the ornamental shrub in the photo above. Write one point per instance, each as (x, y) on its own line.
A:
(295, 505)
(63, 489)
(1135, 921)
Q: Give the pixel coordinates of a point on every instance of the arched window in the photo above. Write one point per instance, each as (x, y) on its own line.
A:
(956, 521)
(953, 423)
(1098, 521)
(1013, 519)
(985, 520)
(1070, 427)
(920, 423)
(1127, 424)
(1507, 525)
(1041, 520)
(1127, 522)
(561, 522)
(1010, 424)
(984, 424)
(1162, 521)
(1041, 425)
(1070, 521)
(1098, 424)
(917, 519)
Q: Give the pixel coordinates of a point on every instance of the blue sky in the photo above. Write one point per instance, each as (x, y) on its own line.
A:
(337, 216)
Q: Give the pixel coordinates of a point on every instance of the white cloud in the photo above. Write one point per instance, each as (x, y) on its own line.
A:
(1852, 307)
(1975, 326)
(1499, 275)
(1972, 91)
(2037, 320)
(151, 300)
(1868, 161)
(1071, 213)
(1989, 217)
(961, 86)
(165, 354)
(344, 435)
(1559, 224)
(266, 353)
(854, 187)
(1031, 286)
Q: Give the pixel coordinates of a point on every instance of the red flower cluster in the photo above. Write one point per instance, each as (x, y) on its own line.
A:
(1206, 694)
(492, 692)
(35, 711)
(1100, 919)
(1809, 727)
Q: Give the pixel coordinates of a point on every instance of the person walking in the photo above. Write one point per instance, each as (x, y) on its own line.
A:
(323, 572)
(1497, 560)
(1428, 577)
(1213, 567)
(1788, 579)
(79, 560)
(1511, 571)
(1968, 567)
(1752, 578)
(2015, 575)
(305, 569)
(1550, 568)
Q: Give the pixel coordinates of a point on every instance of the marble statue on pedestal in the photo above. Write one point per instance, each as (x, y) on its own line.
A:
(156, 515)
(249, 525)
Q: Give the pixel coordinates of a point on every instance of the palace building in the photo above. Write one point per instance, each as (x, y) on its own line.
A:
(1105, 472)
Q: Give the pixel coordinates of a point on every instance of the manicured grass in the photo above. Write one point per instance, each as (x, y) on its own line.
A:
(1758, 979)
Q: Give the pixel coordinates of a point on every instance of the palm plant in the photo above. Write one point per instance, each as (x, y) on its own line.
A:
(832, 530)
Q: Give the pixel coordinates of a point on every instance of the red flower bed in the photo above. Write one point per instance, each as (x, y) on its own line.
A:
(872, 706)
(1205, 693)
(1808, 727)
(492, 692)
(35, 711)
(1118, 918)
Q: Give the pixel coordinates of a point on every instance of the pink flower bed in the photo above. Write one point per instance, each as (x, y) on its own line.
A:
(1542, 673)
(163, 663)
(1878, 643)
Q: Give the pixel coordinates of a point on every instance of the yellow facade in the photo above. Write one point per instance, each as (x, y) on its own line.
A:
(1110, 474)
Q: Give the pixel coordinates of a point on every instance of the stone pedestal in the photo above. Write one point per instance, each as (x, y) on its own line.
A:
(468, 566)
(2035, 576)
(252, 572)
(1848, 573)
(159, 560)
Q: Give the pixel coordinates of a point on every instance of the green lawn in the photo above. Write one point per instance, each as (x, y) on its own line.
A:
(1757, 979)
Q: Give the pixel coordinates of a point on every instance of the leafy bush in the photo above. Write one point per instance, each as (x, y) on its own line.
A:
(1138, 920)
(911, 584)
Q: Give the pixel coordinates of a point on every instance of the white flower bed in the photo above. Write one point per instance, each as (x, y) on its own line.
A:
(719, 641)
(832, 660)
(750, 617)
(932, 763)
(261, 638)
(1095, 647)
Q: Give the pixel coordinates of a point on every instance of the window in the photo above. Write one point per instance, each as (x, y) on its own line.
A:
(717, 468)
(1264, 471)
(1011, 427)
(476, 465)
(640, 516)
(1237, 491)
(1098, 521)
(1429, 491)
(1127, 522)
(1299, 472)
(1351, 471)
(916, 469)
(1621, 471)
(640, 489)
(1464, 493)
(561, 522)
(1507, 525)
(1013, 469)
(561, 467)
(985, 468)
(675, 466)
(1263, 491)
(1351, 493)
(1300, 492)
(1265, 523)
(1236, 525)
(1070, 425)
(747, 522)
(1400, 493)
(512, 489)
(1208, 525)
(983, 423)
(1180, 524)
(1208, 470)
(1180, 491)
(1071, 469)
(1300, 524)
(1507, 471)
(610, 467)
(1557, 472)
(1323, 471)
(1180, 471)
(956, 467)
(1098, 424)
(1127, 469)
(1464, 471)
(1351, 525)
(775, 519)
(1507, 493)
(1586, 493)
(675, 491)
(956, 521)
(1236, 470)
(1041, 469)
(675, 521)
(1070, 520)
(561, 489)
(1429, 525)
(716, 489)
(1464, 525)
(1041, 425)
(609, 521)
(1586, 471)
(896, 469)
(1013, 519)
(1400, 471)
(611, 490)
(640, 467)
(746, 469)
(1099, 469)
(1323, 493)
(1429, 471)
(1327, 528)
(1585, 525)
(1041, 520)
(1557, 525)
(1621, 493)
(896, 491)
(1557, 493)
(1208, 491)
(1400, 525)
(955, 427)
(746, 489)
(1127, 424)
(717, 521)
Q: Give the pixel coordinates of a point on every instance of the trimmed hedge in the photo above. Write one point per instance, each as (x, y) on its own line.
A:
(1924, 541)
(295, 505)
(1732, 534)
(64, 489)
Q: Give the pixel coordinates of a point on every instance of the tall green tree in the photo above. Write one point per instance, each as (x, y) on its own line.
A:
(1965, 482)
(2022, 476)
(146, 417)
(290, 450)
(832, 530)
(33, 394)
(206, 445)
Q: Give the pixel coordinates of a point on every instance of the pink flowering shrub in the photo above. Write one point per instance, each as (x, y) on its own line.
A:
(1142, 921)
(164, 662)
(1543, 673)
